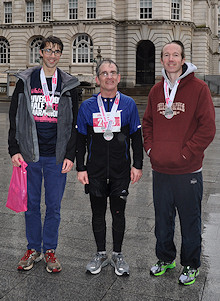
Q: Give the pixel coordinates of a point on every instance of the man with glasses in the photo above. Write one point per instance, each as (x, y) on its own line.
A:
(42, 132)
(107, 123)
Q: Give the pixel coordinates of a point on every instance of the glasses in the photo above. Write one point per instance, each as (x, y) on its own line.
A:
(49, 51)
(106, 74)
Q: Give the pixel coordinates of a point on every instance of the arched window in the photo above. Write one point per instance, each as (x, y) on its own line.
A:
(82, 49)
(34, 50)
(4, 51)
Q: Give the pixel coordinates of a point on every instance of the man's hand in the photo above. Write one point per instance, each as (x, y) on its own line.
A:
(83, 177)
(16, 159)
(136, 174)
(67, 165)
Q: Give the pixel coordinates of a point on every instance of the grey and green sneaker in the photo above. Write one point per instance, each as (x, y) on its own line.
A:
(161, 266)
(188, 275)
(120, 265)
(97, 263)
(30, 257)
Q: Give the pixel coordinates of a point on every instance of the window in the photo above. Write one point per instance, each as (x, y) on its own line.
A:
(175, 9)
(91, 9)
(145, 9)
(82, 49)
(73, 9)
(30, 11)
(4, 51)
(46, 10)
(34, 50)
(8, 12)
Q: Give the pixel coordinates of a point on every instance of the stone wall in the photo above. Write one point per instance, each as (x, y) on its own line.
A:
(117, 30)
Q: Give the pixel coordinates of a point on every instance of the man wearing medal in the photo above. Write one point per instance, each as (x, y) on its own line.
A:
(178, 125)
(107, 124)
(42, 132)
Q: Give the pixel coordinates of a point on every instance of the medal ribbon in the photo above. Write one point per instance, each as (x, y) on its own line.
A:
(169, 98)
(108, 124)
(48, 98)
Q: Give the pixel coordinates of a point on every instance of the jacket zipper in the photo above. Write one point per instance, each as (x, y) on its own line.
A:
(108, 101)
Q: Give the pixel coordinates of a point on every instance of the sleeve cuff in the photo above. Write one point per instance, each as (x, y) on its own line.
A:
(81, 168)
(138, 165)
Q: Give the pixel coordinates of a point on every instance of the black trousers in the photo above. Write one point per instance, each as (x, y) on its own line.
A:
(181, 193)
(117, 208)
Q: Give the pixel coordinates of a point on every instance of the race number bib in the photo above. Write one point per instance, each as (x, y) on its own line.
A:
(98, 125)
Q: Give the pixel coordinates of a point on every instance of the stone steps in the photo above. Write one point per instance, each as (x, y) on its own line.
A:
(136, 91)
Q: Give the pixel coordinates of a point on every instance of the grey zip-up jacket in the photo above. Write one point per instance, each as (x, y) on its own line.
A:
(23, 133)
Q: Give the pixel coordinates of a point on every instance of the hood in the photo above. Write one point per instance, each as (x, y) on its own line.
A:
(187, 69)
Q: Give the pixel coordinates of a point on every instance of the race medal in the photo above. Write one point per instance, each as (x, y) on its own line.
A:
(49, 109)
(108, 122)
(108, 135)
(48, 98)
(168, 113)
(169, 97)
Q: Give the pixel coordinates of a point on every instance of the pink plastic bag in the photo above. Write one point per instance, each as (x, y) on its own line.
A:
(17, 192)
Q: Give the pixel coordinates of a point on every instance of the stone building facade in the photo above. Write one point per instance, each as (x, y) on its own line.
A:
(128, 31)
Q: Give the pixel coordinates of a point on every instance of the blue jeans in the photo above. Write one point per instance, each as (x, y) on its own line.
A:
(181, 193)
(54, 184)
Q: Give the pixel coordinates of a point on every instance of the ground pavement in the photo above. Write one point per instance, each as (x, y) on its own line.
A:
(76, 243)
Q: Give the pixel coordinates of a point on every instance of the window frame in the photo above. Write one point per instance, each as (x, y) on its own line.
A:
(30, 11)
(46, 10)
(146, 9)
(73, 9)
(82, 50)
(175, 10)
(34, 47)
(91, 9)
(8, 12)
(5, 55)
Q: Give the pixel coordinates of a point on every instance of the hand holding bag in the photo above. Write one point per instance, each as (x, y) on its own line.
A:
(17, 193)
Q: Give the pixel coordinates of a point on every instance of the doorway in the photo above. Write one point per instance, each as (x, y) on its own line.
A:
(145, 63)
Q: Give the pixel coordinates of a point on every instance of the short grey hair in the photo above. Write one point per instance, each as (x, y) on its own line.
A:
(104, 61)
